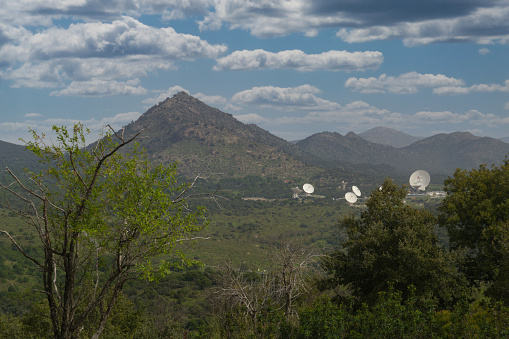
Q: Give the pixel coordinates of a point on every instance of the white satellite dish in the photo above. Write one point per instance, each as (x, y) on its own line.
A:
(420, 180)
(296, 192)
(351, 197)
(308, 188)
(356, 190)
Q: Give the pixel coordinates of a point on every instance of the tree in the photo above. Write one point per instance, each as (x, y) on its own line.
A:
(266, 298)
(102, 217)
(391, 243)
(476, 214)
(290, 265)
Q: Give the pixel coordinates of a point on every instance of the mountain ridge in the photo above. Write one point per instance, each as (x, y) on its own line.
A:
(204, 139)
(441, 153)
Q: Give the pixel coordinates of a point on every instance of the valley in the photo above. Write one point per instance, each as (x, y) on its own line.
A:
(251, 174)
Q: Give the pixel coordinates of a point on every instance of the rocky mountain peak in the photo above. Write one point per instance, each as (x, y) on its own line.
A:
(204, 139)
(182, 99)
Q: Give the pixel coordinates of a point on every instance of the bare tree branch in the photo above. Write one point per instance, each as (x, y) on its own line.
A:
(21, 249)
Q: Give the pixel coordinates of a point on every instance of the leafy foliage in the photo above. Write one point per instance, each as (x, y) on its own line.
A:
(393, 317)
(393, 243)
(102, 217)
(476, 214)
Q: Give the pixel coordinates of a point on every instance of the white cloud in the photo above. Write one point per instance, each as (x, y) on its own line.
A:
(101, 88)
(451, 90)
(251, 118)
(179, 9)
(216, 101)
(437, 117)
(120, 119)
(164, 95)
(39, 75)
(473, 117)
(408, 83)
(360, 115)
(43, 12)
(264, 18)
(415, 22)
(12, 130)
(58, 72)
(297, 59)
(292, 135)
(8, 127)
(211, 100)
(95, 52)
(106, 40)
(33, 115)
(483, 26)
(484, 51)
(290, 98)
(354, 114)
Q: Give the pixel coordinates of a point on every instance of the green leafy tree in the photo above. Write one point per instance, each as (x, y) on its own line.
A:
(476, 214)
(392, 243)
(102, 217)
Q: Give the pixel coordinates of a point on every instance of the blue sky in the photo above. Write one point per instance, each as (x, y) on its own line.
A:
(293, 67)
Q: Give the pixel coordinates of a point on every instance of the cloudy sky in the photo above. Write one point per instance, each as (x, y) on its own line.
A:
(293, 67)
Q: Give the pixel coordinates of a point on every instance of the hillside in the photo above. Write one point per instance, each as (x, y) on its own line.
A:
(388, 136)
(16, 157)
(205, 140)
(442, 153)
(338, 150)
(446, 152)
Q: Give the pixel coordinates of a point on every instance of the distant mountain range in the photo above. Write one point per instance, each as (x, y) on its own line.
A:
(16, 157)
(205, 140)
(388, 136)
(395, 138)
(441, 153)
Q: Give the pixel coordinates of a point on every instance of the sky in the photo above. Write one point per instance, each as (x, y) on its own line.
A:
(293, 67)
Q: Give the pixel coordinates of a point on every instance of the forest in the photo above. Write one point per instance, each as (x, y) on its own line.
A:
(102, 244)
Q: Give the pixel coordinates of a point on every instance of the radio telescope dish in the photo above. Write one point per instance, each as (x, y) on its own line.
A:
(296, 192)
(308, 188)
(351, 197)
(356, 190)
(420, 180)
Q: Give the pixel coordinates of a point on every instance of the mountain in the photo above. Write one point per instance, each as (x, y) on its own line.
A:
(388, 136)
(442, 153)
(205, 140)
(336, 150)
(332, 148)
(16, 157)
(446, 152)
(506, 139)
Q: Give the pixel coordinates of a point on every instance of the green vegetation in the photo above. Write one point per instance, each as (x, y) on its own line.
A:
(100, 218)
(476, 214)
(276, 267)
(393, 243)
